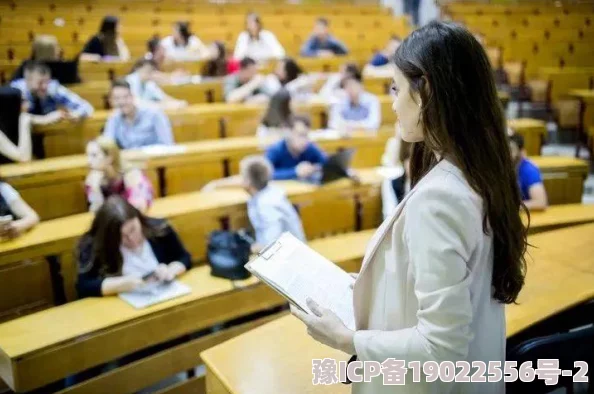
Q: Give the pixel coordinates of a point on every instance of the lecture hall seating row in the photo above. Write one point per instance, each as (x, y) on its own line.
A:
(105, 329)
(338, 207)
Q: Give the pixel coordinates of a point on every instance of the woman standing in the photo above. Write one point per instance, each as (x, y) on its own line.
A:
(257, 43)
(439, 270)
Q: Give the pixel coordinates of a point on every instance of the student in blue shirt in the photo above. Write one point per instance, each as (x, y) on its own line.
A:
(384, 56)
(322, 43)
(133, 126)
(356, 110)
(533, 191)
(295, 156)
(46, 99)
(270, 211)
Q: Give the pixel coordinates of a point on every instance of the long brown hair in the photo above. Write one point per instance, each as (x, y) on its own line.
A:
(109, 35)
(105, 235)
(462, 118)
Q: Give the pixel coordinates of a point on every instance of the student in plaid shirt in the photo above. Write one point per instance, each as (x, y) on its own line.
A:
(47, 100)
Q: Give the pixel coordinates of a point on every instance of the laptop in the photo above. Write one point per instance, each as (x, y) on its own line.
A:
(336, 167)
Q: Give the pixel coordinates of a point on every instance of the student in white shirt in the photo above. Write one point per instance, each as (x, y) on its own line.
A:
(356, 110)
(258, 44)
(270, 211)
(290, 76)
(145, 90)
(182, 45)
(333, 90)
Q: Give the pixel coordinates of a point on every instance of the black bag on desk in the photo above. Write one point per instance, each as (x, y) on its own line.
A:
(228, 253)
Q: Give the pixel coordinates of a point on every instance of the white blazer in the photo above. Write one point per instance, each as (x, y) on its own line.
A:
(424, 290)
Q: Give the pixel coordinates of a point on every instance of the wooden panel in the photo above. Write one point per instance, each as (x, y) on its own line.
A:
(54, 200)
(188, 127)
(214, 384)
(26, 287)
(327, 214)
(563, 188)
(190, 177)
(194, 230)
(195, 385)
(145, 372)
(243, 123)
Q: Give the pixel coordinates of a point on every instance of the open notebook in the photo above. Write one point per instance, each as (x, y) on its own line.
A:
(297, 272)
(155, 293)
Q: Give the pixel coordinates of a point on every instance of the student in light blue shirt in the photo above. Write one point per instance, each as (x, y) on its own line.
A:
(322, 43)
(133, 126)
(532, 188)
(145, 89)
(47, 100)
(269, 210)
(357, 110)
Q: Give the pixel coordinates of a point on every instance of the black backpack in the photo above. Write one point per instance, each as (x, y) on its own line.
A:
(228, 252)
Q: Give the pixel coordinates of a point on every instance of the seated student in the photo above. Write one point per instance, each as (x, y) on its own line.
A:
(533, 191)
(381, 63)
(23, 216)
(258, 44)
(145, 89)
(122, 247)
(219, 65)
(296, 157)
(107, 176)
(47, 100)
(246, 85)
(333, 90)
(182, 45)
(107, 44)
(45, 48)
(134, 126)
(15, 128)
(287, 74)
(401, 185)
(322, 43)
(269, 210)
(278, 117)
(357, 110)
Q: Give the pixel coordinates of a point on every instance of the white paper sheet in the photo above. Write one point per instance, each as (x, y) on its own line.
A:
(155, 293)
(297, 272)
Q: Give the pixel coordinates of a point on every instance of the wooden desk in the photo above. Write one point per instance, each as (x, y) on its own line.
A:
(534, 132)
(43, 182)
(563, 178)
(277, 357)
(334, 208)
(98, 330)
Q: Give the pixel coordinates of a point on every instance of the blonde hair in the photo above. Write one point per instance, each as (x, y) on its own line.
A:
(257, 170)
(45, 48)
(111, 149)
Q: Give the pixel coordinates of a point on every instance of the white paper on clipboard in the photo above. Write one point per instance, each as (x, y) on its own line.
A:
(297, 272)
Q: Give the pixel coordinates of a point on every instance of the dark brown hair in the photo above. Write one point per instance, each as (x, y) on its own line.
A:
(106, 237)
(463, 119)
(108, 34)
(217, 67)
(279, 112)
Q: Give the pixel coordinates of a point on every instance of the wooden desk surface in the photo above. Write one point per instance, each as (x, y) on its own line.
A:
(24, 340)
(534, 125)
(53, 236)
(555, 163)
(281, 351)
(585, 94)
(73, 165)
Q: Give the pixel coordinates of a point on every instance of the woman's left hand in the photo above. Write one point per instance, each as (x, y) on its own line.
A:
(325, 327)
